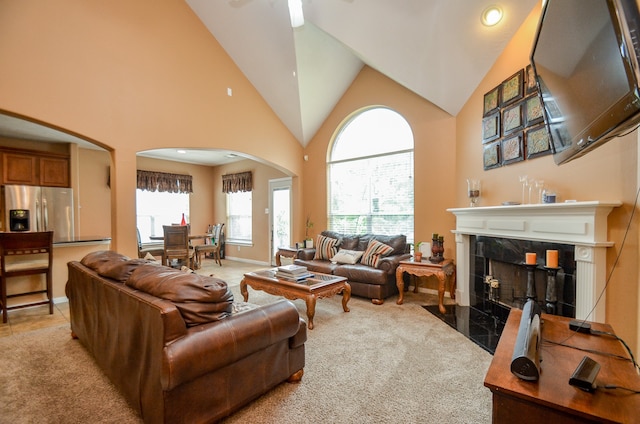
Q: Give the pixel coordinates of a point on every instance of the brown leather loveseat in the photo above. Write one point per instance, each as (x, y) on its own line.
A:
(174, 343)
(368, 261)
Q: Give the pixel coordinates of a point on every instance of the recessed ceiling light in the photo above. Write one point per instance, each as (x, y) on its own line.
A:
(182, 152)
(491, 15)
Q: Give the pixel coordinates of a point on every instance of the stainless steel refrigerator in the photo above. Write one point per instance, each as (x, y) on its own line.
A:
(32, 208)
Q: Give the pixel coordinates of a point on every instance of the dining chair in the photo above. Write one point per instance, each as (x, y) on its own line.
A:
(21, 254)
(176, 244)
(155, 249)
(213, 247)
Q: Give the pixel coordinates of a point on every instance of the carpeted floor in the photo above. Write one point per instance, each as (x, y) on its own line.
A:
(375, 364)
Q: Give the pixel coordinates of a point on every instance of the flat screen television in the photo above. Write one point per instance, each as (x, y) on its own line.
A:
(585, 58)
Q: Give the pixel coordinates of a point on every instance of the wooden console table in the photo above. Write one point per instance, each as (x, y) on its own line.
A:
(551, 398)
(444, 271)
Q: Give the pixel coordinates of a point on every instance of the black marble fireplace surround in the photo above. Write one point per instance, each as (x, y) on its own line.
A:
(483, 321)
(503, 259)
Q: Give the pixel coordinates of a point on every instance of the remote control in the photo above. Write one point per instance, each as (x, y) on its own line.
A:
(584, 376)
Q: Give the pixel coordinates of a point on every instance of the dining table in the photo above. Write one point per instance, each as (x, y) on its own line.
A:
(203, 236)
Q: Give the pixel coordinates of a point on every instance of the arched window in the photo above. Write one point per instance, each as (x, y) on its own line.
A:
(370, 172)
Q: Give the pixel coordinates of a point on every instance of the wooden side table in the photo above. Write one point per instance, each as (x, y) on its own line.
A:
(444, 271)
(287, 252)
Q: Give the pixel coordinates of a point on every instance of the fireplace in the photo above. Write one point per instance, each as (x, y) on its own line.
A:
(493, 240)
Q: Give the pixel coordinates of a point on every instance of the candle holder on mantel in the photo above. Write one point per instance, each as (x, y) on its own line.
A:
(551, 295)
(531, 281)
(437, 250)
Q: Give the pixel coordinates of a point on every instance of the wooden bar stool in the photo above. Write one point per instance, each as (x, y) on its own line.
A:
(28, 253)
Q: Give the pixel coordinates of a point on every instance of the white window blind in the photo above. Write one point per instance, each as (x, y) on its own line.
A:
(157, 208)
(239, 217)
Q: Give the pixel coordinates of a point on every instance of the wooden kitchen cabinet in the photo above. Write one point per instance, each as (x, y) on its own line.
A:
(27, 168)
(54, 172)
(19, 169)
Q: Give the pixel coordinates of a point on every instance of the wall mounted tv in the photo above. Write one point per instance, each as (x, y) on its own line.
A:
(585, 58)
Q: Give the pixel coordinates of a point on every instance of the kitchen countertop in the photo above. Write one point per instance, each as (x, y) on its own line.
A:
(83, 240)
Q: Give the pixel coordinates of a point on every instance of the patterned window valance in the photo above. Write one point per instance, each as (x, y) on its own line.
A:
(163, 181)
(232, 183)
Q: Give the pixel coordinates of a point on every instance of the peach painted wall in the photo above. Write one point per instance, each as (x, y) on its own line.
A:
(93, 195)
(132, 76)
(434, 149)
(609, 173)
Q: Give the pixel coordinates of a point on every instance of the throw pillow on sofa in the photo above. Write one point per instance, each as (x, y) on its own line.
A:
(326, 248)
(345, 256)
(375, 251)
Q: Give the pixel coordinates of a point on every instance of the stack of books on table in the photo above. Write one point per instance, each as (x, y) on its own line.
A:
(293, 273)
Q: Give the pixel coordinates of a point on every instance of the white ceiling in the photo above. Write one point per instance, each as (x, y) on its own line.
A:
(436, 48)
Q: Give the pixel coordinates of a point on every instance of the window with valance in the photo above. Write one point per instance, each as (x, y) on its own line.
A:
(164, 182)
(233, 183)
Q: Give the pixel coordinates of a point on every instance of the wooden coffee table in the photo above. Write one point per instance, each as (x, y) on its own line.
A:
(322, 285)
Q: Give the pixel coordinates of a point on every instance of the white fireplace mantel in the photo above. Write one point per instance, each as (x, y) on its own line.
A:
(581, 224)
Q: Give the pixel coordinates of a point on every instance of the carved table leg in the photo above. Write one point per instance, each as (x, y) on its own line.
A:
(400, 285)
(243, 290)
(278, 260)
(311, 309)
(346, 295)
(441, 278)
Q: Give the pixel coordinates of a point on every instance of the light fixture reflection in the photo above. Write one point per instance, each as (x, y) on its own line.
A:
(491, 15)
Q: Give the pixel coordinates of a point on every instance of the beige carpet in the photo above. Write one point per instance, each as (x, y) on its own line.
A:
(375, 364)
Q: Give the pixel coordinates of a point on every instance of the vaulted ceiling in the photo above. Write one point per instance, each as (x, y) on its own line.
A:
(439, 49)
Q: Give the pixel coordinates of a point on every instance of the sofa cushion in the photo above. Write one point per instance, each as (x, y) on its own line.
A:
(362, 273)
(120, 271)
(102, 260)
(345, 256)
(199, 299)
(312, 265)
(375, 250)
(397, 242)
(326, 247)
(347, 241)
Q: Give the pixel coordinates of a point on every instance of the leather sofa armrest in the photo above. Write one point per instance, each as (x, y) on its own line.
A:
(306, 254)
(300, 337)
(389, 263)
(209, 347)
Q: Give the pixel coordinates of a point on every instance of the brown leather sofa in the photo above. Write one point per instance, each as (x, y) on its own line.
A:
(174, 343)
(375, 283)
